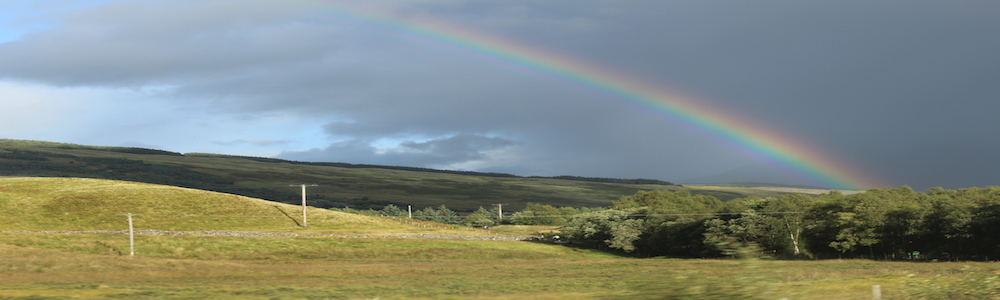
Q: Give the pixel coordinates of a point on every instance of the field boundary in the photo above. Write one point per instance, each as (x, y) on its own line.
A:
(277, 234)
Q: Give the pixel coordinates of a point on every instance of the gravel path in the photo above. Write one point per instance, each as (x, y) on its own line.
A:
(282, 234)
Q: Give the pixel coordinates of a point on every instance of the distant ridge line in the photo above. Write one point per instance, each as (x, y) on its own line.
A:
(430, 170)
(132, 150)
(4, 143)
(758, 184)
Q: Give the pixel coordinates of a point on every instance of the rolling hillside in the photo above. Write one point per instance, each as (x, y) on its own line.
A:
(81, 204)
(310, 263)
(337, 184)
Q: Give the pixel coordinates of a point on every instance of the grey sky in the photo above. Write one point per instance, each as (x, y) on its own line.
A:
(904, 91)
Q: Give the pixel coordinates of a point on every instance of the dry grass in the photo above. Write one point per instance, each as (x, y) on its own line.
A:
(39, 266)
(95, 204)
(457, 271)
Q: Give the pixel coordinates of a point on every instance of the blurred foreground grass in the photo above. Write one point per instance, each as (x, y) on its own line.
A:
(40, 266)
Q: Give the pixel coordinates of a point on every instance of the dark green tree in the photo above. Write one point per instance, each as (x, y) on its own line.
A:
(440, 214)
(480, 218)
(610, 228)
(539, 214)
(391, 210)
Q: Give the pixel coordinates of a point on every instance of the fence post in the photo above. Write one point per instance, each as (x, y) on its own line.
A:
(877, 292)
(131, 236)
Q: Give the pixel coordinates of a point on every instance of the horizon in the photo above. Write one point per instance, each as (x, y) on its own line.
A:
(711, 180)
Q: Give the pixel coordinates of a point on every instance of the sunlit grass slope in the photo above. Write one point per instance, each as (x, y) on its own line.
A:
(91, 265)
(38, 212)
(93, 204)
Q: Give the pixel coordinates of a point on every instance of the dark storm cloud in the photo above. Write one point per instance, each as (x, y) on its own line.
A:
(904, 91)
(898, 89)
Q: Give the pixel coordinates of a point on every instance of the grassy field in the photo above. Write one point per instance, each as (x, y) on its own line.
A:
(90, 265)
(94, 204)
(323, 268)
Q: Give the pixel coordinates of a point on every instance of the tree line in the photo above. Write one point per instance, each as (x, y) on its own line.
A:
(886, 224)
(532, 214)
(889, 223)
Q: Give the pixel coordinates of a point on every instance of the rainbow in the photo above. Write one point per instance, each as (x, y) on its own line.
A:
(745, 136)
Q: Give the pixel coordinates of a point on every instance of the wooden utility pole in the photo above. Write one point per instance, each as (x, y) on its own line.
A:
(500, 210)
(131, 235)
(304, 224)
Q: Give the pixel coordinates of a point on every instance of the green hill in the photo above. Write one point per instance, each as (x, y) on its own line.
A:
(79, 204)
(337, 184)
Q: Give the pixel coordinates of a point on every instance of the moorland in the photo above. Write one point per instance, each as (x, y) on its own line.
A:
(64, 234)
(337, 184)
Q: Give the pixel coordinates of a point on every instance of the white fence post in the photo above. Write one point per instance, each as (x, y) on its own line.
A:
(131, 236)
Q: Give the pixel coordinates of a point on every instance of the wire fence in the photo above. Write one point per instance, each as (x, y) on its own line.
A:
(877, 292)
(485, 233)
